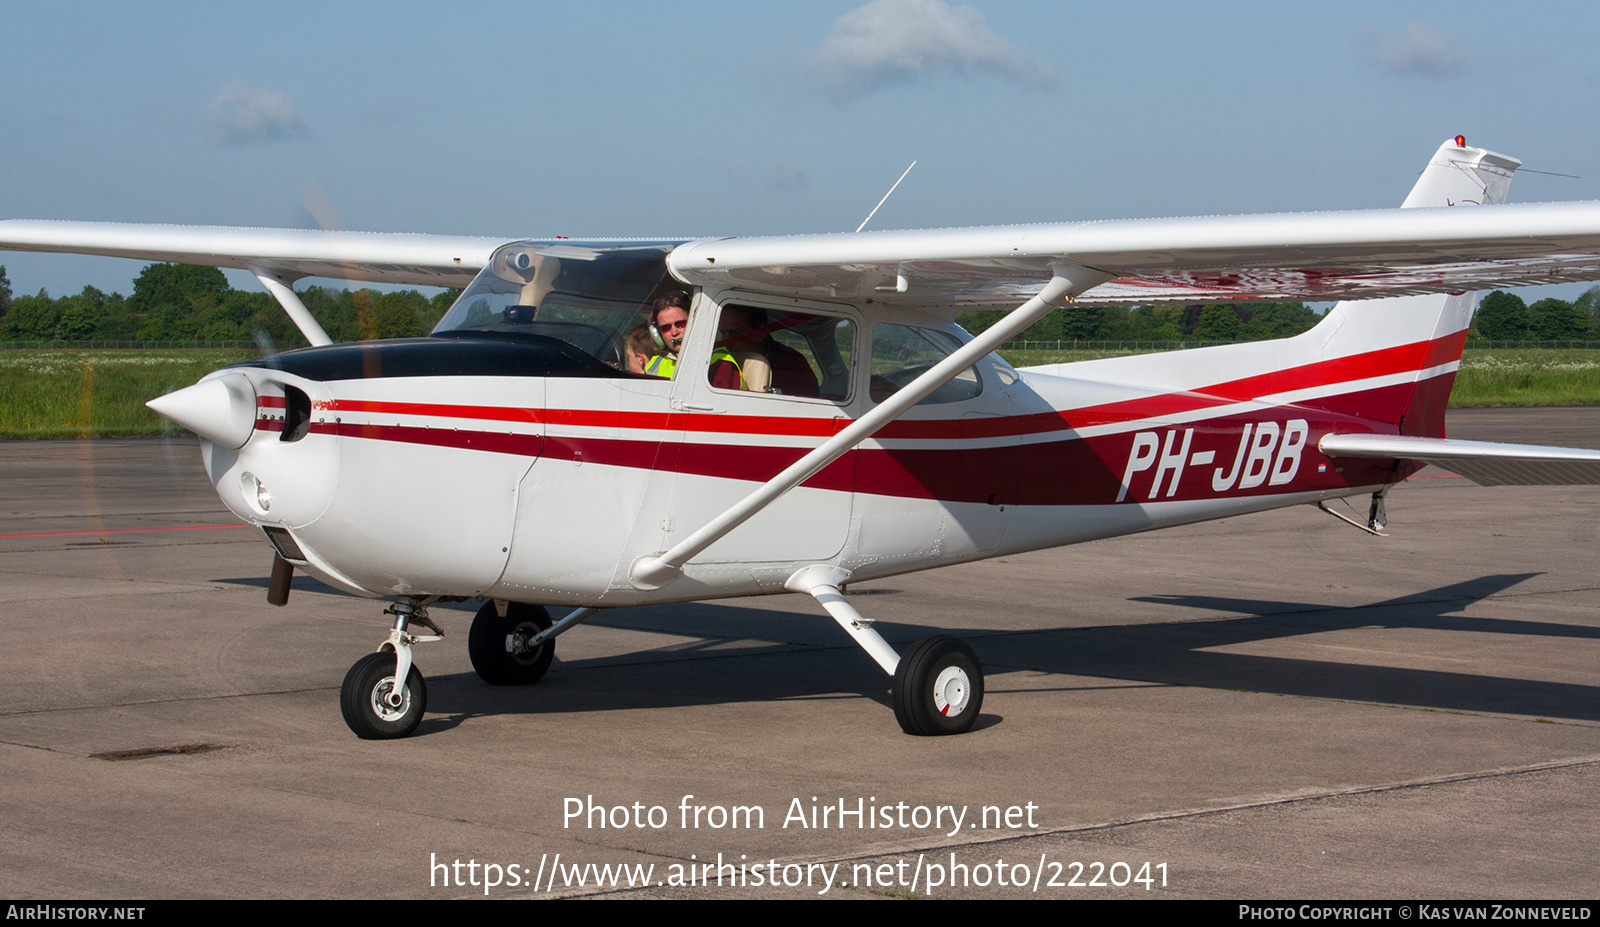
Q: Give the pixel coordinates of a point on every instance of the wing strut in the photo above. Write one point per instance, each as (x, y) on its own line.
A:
(653, 572)
(298, 313)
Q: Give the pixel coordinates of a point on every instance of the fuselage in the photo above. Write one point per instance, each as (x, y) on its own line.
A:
(517, 469)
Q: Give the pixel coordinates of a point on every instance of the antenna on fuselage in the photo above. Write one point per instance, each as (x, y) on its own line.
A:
(885, 198)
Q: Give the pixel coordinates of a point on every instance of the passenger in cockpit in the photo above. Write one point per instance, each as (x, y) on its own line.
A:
(637, 349)
(767, 365)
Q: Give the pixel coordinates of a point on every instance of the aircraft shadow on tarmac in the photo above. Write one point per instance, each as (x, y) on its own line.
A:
(730, 653)
(1184, 653)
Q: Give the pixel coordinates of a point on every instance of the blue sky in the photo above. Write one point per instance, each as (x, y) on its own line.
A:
(712, 118)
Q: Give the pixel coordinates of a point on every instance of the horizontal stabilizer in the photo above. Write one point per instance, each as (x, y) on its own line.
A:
(1483, 462)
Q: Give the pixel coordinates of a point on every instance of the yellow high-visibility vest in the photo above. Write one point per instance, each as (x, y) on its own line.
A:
(662, 365)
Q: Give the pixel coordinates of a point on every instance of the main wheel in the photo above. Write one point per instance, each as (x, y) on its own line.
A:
(372, 707)
(938, 687)
(499, 646)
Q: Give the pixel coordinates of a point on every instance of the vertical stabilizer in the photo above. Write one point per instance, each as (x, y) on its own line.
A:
(1462, 176)
(1390, 361)
(1433, 327)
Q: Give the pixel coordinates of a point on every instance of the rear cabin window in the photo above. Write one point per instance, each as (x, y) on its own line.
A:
(901, 353)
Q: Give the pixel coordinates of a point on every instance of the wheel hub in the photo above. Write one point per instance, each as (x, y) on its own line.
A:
(951, 691)
(517, 644)
(389, 703)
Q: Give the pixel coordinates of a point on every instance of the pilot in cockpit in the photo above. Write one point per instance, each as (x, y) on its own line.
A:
(669, 326)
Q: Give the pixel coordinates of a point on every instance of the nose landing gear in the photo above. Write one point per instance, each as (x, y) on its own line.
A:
(374, 704)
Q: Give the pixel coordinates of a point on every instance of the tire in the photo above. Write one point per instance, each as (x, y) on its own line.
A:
(496, 652)
(362, 699)
(938, 688)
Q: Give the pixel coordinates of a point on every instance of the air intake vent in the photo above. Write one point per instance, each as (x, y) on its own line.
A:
(296, 414)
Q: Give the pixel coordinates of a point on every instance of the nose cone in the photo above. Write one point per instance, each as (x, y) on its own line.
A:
(220, 409)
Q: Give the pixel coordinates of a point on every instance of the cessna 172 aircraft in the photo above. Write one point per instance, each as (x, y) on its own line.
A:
(511, 457)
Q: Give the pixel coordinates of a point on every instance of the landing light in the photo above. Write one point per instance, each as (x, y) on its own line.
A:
(255, 492)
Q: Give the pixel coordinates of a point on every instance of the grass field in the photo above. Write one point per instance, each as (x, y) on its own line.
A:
(101, 393)
(68, 393)
(1528, 377)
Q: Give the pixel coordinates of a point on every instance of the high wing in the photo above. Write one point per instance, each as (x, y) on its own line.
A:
(278, 257)
(286, 254)
(1305, 256)
(1357, 254)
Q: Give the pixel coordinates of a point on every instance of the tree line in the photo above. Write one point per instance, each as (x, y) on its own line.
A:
(1504, 316)
(186, 302)
(1501, 316)
(1242, 322)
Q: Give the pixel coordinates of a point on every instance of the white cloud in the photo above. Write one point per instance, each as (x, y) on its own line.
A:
(788, 177)
(1420, 49)
(892, 41)
(785, 176)
(240, 116)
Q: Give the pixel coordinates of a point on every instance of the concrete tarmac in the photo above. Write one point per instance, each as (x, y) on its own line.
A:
(1271, 707)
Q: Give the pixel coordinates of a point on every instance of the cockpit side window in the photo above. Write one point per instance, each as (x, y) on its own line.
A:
(782, 353)
(901, 353)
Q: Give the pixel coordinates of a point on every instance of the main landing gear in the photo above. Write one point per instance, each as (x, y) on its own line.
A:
(938, 682)
(499, 643)
(938, 687)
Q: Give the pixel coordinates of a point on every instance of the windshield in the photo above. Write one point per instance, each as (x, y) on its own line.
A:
(586, 294)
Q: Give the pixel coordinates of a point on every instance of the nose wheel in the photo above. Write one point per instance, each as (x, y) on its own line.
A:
(374, 706)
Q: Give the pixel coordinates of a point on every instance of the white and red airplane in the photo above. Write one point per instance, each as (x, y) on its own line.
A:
(509, 457)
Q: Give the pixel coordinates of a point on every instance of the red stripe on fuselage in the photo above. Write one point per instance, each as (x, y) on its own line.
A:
(598, 418)
(1070, 471)
(1384, 362)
